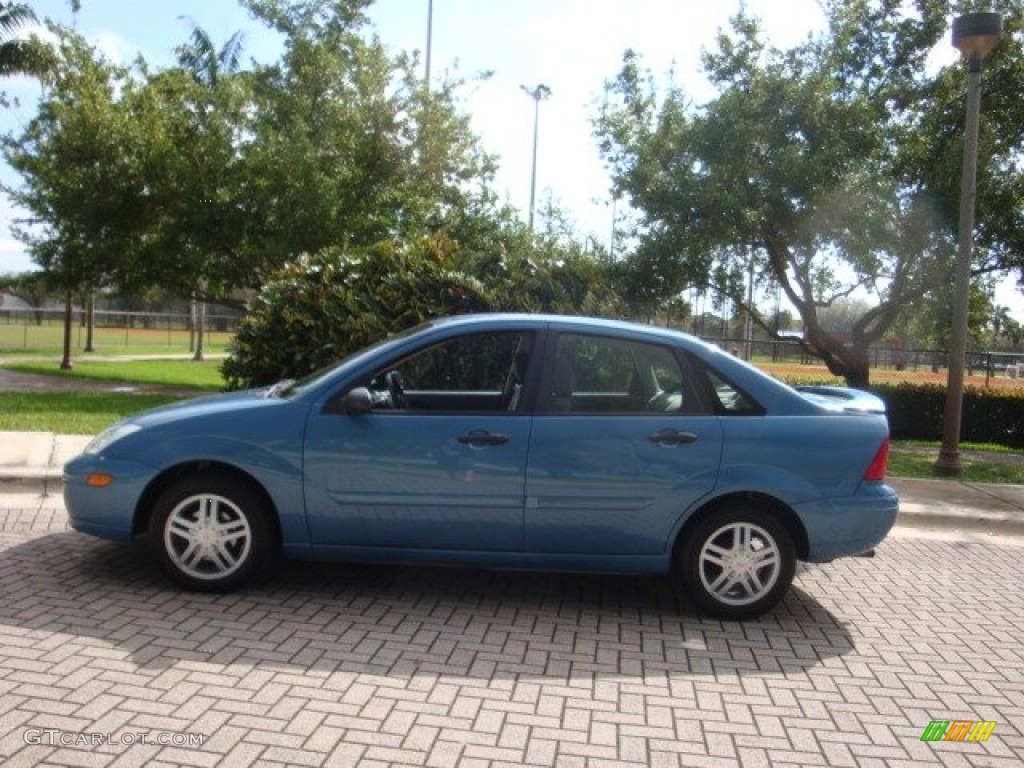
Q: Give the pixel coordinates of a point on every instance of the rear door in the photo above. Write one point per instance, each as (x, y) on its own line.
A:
(620, 447)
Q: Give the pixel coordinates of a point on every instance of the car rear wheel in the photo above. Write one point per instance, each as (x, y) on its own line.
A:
(210, 533)
(737, 563)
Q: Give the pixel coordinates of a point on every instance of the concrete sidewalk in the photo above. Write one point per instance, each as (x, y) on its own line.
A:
(37, 457)
(33, 461)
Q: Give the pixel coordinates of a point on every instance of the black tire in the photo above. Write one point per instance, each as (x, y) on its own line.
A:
(210, 533)
(736, 563)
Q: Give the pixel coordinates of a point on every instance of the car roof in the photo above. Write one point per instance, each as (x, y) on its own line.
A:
(538, 320)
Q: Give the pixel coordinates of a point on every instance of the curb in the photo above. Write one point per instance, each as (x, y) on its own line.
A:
(43, 482)
(977, 520)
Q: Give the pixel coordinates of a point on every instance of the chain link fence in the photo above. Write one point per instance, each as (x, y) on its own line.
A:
(30, 329)
(930, 363)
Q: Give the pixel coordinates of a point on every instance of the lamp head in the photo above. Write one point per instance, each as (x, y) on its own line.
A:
(975, 35)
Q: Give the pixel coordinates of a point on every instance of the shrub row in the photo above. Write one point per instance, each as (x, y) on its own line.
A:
(989, 415)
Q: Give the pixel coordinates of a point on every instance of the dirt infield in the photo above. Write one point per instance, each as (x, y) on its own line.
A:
(819, 373)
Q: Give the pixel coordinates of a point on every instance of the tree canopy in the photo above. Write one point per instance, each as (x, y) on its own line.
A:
(20, 56)
(80, 165)
(831, 165)
(206, 177)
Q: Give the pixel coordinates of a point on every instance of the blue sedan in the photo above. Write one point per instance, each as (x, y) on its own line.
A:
(518, 441)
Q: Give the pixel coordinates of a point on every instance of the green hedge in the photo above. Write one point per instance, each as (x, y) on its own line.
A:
(989, 415)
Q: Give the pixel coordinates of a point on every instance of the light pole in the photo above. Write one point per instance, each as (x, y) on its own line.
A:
(974, 35)
(539, 92)
(430, 40)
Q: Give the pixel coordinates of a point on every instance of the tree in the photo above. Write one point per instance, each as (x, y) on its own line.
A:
(816, 162)
(1006, 328)
(201, 57)
(204, 179)
(78, 159)
(931, 321)
(31, 287)
(208, 66)
(347, 145)
(21, 57)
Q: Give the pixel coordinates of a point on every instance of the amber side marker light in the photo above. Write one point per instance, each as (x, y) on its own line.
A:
(99, 480)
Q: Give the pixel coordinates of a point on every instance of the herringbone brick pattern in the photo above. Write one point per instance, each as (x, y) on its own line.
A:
(378, 666)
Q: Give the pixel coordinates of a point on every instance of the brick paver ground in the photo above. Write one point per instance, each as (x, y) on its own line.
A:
(374, 666)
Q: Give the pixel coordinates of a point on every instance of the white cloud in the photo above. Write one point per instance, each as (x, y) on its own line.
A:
(573, 46)
(13, 257)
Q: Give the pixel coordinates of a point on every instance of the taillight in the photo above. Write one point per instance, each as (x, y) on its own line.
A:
(876, 470)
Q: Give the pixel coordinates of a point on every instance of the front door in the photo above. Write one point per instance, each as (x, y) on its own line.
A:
(439, 463)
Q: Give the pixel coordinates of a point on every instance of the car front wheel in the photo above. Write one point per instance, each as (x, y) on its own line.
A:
(737, 563)
(210, 533)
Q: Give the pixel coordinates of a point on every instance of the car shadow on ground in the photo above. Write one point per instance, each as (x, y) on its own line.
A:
(397, 621)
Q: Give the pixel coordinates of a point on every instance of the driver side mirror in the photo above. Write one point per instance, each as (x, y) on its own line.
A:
(358, 401)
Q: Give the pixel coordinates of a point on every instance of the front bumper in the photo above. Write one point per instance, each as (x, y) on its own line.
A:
(109, 511)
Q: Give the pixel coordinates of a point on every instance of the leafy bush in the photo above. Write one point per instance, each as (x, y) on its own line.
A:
(916, 412)
(320, 308)
(989, 415)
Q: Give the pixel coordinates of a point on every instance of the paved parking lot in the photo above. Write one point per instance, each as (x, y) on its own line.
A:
(103, 664)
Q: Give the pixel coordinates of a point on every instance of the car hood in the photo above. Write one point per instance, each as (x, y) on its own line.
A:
(843, 399)
(205, 406)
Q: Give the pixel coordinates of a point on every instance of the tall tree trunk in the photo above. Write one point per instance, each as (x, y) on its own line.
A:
(65, 363)
(90, 321)
(200, 331)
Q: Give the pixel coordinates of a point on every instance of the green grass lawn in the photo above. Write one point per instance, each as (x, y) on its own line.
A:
(72, 413)
(916, 459)
(48, 338)
(87, 412)
(170, 373)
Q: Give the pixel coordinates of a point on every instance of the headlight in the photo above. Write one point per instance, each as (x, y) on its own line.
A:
(110, 436)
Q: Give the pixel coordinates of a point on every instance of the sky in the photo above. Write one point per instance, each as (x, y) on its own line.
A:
(571, 46)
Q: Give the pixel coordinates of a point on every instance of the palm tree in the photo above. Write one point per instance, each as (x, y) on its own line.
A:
(201, 57)
(20, 57)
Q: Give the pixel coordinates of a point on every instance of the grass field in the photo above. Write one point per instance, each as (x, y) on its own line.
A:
(72, 413)
(982, 463)
(22, 339)
(184, 374)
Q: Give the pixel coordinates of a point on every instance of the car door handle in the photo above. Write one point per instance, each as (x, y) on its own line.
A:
(671, 437)
(481, 437)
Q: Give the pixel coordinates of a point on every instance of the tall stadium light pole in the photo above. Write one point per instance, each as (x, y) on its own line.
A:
(974, 35)
(537, 94)
(430, 39)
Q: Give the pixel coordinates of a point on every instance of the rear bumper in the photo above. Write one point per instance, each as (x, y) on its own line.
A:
(850, 525)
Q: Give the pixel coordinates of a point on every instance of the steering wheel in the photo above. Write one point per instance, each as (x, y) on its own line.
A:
(394, 382)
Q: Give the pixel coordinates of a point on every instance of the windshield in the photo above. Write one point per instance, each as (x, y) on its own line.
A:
(289, 389)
